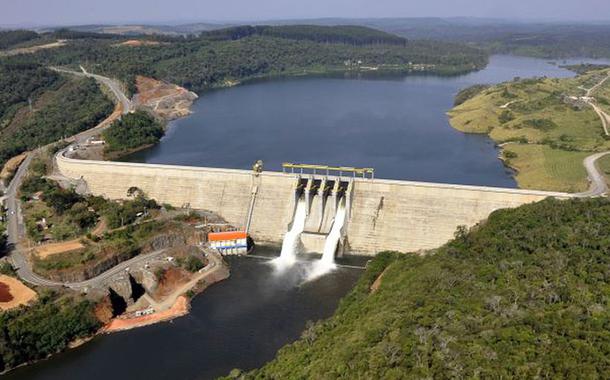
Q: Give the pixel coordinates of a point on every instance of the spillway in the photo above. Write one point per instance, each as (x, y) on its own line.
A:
(291, 239)
(327, 262)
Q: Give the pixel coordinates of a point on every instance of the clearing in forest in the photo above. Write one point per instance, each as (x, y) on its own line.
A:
(14, 293)
(47, 250)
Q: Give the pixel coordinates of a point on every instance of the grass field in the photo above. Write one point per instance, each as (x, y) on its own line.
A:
(553, 128)
(544, 168)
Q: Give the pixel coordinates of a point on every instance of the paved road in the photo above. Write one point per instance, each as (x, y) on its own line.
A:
(598, 185)
(15, 227)
(112, 84)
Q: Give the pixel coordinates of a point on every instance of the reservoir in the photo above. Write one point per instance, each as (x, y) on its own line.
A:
(396, 125)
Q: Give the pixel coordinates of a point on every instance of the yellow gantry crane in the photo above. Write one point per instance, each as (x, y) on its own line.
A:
(325, 169)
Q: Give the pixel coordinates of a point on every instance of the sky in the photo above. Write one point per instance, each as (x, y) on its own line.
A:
(78, 12)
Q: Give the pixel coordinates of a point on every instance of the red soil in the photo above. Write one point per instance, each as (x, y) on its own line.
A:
(5, 294)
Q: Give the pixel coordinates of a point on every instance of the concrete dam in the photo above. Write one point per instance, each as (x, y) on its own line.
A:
(379, 214)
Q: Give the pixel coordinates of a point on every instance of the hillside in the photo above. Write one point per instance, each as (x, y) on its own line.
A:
(224, 57)
(60, 107)
(545, 126)
(524, 295)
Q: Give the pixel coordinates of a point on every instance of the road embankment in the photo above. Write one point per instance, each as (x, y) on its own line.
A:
(176, 304)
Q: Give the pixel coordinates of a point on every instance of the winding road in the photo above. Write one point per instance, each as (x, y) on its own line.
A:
(15, 227)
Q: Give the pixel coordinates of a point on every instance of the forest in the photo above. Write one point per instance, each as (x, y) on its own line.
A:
(45, 328)
(237, 54)
(344, 34)
(522, 295)
(20, 82)
(132, 131)
(68, 106)
(10, 38)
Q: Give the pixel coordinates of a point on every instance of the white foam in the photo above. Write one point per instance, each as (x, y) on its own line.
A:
(327, 263)
(288, 256)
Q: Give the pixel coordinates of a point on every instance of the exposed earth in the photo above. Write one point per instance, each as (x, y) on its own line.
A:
(165, 100)
(14, 293)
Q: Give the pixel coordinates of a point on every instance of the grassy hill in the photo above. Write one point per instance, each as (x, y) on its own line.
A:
(545, 132)
(524, 295)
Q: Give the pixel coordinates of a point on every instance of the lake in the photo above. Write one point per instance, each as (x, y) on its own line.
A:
(396, 125)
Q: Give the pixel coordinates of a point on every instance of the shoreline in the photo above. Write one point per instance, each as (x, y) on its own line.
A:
(179, 308)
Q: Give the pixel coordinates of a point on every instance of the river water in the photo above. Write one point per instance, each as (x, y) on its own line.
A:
(396, 125)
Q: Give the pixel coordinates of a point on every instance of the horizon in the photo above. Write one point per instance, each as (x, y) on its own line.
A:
(233, 22)
(36, 13)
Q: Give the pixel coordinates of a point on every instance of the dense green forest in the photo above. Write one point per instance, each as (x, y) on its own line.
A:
(20, 82)
(345, 34)
(74, 106)
(238, 54)
(10, 38)
(35, 332)
(524, 295)
(132, 131)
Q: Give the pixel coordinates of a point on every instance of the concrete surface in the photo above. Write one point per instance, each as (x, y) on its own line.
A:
(384, 214)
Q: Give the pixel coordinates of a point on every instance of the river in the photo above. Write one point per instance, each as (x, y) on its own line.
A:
(396, 125)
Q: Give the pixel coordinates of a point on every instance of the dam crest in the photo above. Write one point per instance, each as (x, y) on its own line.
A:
(379, 214)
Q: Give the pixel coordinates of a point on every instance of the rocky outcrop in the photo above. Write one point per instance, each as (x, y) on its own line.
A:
(167, 101)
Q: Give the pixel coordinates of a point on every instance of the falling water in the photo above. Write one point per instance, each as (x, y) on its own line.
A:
(291, 239)
(327, 262)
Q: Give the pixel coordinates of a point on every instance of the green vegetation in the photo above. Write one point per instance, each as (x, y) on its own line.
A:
(116, 246)
(524, 295)
(584, 68)
(10, 38)
(344, 34)
(20, 82)
(544, 122)
(7, 269)
(45, 328)
(193, 264)
(604, 165)
(469, 93)
(67, 214)
(217, 59)
(131, 132)
(68, 107)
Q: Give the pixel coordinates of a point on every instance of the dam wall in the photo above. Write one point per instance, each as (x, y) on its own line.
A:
(383, 214)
